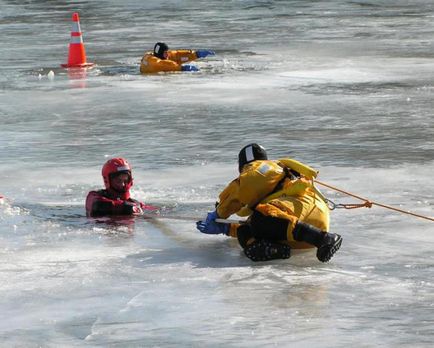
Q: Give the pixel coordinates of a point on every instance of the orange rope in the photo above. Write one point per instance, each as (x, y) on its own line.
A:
(367, 203)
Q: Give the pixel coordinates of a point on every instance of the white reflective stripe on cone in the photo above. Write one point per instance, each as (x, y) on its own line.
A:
(76, 27)
(76, 39)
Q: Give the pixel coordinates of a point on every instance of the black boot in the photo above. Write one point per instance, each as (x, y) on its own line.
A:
(262, 250)
(327, 243)
(331, 243)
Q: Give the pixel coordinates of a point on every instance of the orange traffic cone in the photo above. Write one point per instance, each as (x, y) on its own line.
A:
(77, 53)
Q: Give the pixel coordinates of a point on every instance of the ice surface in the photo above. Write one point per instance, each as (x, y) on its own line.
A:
(345, 87)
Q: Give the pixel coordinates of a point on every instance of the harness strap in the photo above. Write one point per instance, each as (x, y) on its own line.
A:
(277, 187)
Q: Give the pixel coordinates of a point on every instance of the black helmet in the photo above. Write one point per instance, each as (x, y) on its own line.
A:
(159, 49)
(250, 153)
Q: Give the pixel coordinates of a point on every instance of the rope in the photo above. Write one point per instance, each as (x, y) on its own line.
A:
(332, 205)
(367, 203)
(189, 218)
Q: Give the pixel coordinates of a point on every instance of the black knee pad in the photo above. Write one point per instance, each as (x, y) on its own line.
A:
(268, 227)
(244, 233)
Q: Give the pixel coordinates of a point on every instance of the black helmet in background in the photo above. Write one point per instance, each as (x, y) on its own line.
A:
(250, 153)
(159, 49)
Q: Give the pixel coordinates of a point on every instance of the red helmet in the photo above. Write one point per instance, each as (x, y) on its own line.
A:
(114, 166)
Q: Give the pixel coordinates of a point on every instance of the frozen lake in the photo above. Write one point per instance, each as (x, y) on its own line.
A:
(345, 86)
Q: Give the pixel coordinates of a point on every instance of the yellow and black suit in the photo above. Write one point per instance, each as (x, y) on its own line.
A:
(152, 64)
(276, 195)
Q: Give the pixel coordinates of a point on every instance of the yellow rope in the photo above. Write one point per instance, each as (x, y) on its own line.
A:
(367, 203)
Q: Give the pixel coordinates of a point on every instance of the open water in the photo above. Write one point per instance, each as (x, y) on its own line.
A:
(346, 86)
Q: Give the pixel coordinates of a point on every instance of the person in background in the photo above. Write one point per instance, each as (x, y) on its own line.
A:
(163, 60)
(284, 207)
(115, 199)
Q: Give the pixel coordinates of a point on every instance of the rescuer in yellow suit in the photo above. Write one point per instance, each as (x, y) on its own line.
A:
(285, 209)
(163, 60)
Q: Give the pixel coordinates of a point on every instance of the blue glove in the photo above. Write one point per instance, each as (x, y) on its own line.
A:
(210, 226)
(187, 67)
(204, 53)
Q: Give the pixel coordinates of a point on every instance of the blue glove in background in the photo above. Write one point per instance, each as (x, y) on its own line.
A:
(204, 53)
(210, 226)
(187, 67)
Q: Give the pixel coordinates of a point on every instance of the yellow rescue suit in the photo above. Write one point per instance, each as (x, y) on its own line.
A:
(269, 188)
(152, 64)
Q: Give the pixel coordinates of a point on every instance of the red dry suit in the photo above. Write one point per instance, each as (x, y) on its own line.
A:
(108, 203)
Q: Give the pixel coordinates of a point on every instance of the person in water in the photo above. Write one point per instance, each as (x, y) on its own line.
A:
(115, 199)
(163, 60)
(284, 207)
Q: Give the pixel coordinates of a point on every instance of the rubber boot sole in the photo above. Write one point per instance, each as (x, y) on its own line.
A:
(326, 251)
(265, 251)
